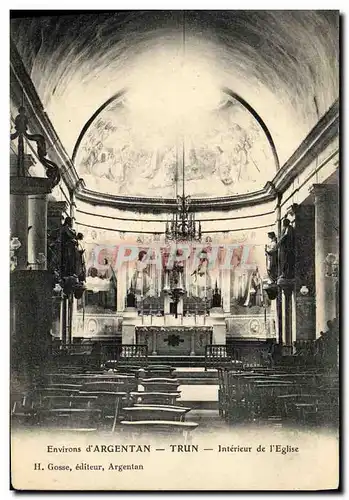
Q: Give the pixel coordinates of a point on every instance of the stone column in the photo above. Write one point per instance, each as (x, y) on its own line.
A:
(25, 213)
(293, 317)
(55, 211)
(180, 307)
(19, 208)
(288, 323)
(326, 241)
(64, 321)
(154, 343)
(37, 231)
(192, 343)
(31, 290)
(226, 279)
(121, 291)
(305, 272)
(19, 227)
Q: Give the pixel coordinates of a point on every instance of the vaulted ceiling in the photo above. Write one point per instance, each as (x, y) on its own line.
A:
(283, 63)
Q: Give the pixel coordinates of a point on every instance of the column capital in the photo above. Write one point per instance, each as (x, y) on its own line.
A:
(30, 185)
(56, 208)
(287, 285)
(321, 190)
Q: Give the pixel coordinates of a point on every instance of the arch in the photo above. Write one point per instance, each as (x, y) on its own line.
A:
(90, 120)
(226, 90)
(259, 119)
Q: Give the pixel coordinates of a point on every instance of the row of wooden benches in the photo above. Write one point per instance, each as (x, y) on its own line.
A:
(103, 400)
(308, 397)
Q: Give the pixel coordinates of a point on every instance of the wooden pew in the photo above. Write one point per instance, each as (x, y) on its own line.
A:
(143, 412)
(155, 397)
(186, 408)
(81, 378)
(57, 391)
(163, 427)
(23, 410)
(112, 386)
(160, 384)
(75, 401)
(110, 403)
(158, 371)
(71, 419)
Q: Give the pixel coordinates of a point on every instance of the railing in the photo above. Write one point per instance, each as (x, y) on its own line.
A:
(248, 353)
(218, 355)
(304, 348)
(59, 349)
(101, 352)
(125, 353)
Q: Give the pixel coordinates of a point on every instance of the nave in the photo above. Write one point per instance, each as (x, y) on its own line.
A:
(123, 398)
(174, 240)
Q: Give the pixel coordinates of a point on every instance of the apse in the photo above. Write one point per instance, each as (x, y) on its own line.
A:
(155, 145)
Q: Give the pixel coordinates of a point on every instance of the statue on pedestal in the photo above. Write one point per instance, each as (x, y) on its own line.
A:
(68, 246)
(201, 283)
(131, 299)
(72, 268)
(286, 247)
(216, 297)
(271, 252)
(255, 290)
(141, 282)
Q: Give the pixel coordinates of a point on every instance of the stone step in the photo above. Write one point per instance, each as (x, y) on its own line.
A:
(197, 380)
(201, 405)
(178, 361)
(196, 375)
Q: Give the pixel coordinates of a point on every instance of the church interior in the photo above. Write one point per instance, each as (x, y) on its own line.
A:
(174, 214)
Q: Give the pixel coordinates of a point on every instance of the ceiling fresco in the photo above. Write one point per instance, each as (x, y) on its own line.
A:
(225, 152)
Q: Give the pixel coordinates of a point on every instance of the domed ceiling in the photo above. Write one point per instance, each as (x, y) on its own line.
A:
(284, 64)
(225, 152)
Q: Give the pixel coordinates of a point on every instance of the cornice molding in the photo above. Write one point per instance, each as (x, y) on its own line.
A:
(324, 132)
(163, 205)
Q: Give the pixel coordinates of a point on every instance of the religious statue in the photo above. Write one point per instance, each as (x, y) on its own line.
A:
(68, 246)
(141, 282)
(286, 247)
(255, 290)
(80, 258)
(131, 299)
(271, 252)
(72, 252)
(201, 284)
(216, 297)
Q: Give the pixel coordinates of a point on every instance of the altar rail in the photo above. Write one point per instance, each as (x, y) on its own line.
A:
(101, 352)
(218, 355)
(239, 352)
(133, 353)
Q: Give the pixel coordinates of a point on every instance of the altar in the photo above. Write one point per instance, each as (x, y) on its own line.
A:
(179, 320)
(175, 340)
(168, 335)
